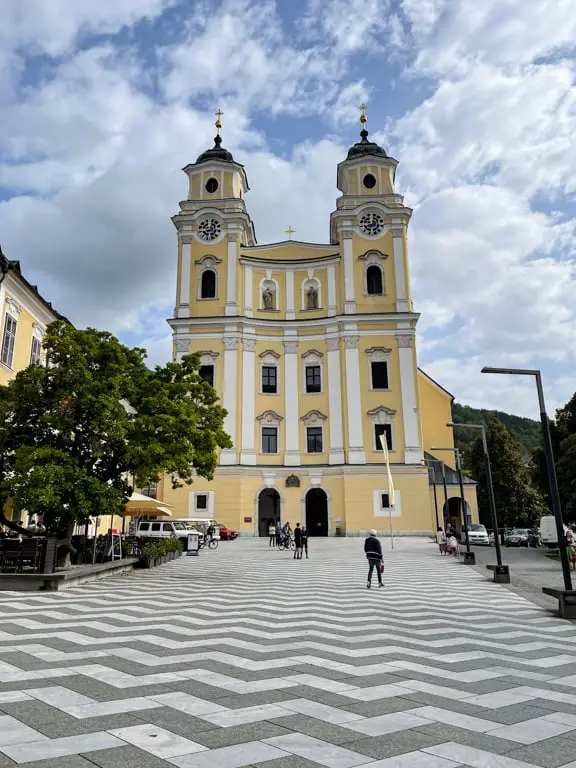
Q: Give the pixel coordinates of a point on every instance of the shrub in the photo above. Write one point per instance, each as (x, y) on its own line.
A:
(160, 548)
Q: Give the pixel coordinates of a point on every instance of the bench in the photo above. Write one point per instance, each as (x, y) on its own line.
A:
(501, 573)
(566, 601)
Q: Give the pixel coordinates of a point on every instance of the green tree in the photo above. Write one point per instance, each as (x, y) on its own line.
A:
(517, 501)
(528, 431)
(77, 434)
(563, 431)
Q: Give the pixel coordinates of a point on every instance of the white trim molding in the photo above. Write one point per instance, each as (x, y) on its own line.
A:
(270, 419)
(183, 309)
(409, 383)
(356, 453)
(374, 258)
(349, 299)
(314, 418)
(402, 302)
(335, 400)
(231, 305)
(380, 511)
(193, 511)
(292, 449)
(230, 376)
(290, 308)
(248, 451)
(332, 306)
(312, 358)
(269, 359)
(248, 280)
(382, 415)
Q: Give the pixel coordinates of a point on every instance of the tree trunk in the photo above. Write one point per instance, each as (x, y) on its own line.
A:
(65, 549)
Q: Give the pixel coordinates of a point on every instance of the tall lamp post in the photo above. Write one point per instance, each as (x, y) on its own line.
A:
(550, 466)
(469, 557)
(432, 472)
(501, 572)
(443, 469)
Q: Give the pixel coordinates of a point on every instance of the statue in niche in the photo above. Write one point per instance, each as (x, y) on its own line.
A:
(268, 298)
(312, 298)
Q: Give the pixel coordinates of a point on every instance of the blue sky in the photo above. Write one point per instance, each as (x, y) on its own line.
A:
(103, 102)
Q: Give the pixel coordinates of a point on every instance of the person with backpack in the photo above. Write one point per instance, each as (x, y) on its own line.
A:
(298, 542)
(373, 551)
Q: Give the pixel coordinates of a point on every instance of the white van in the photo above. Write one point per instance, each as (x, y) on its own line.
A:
(548, 533)
(164, 529)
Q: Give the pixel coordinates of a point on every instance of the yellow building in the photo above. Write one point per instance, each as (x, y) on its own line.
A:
(311, 347)
(25, 316)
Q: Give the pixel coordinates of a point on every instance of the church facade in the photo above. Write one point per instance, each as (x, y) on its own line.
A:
(312, 350)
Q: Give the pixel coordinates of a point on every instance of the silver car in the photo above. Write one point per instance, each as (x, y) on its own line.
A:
(477, 534)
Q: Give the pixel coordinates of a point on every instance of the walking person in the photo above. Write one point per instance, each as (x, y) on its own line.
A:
(298, 542)
(373, 550)
(304, 542)
(278, 533)
(441, 540)
(272, 535)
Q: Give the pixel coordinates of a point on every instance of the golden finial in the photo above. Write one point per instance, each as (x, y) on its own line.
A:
(289, 232)
(219, 114)
(363, 116)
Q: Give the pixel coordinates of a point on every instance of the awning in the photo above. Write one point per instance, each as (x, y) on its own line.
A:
(139, 505)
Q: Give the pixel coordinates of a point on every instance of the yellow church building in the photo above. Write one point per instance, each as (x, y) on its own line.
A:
(312, 350)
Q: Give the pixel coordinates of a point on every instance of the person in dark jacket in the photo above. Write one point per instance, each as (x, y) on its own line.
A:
(373, 550)
(298, 542)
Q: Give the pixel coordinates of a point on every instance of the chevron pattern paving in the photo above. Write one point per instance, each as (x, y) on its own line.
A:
(244, 657)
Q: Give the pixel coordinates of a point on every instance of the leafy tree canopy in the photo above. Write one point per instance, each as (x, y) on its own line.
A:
(528, 431)
(517, 501)
(79, 433)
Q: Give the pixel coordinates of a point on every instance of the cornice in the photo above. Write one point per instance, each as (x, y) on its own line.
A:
(289, 265)
(305, 324)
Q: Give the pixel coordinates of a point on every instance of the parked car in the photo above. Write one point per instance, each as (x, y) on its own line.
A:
(477, 534)
(517, 537)
(227, 534)
(164, 529)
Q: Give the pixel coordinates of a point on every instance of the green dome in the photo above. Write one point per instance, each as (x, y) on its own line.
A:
(365, 147)
(216, 153)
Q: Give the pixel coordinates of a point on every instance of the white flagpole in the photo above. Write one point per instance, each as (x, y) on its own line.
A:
(391, 493)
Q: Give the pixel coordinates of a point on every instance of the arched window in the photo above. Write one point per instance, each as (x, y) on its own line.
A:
(374, 280)
(208, 284)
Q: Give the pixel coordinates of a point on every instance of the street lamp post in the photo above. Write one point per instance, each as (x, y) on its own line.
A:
(550, 466)
(432, 471)
(501, 572)
(469, 557)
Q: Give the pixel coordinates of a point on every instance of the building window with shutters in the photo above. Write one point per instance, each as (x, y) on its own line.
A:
(8, 340)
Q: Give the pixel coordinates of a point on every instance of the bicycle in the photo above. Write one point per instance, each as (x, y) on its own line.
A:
(286, 542)
(210, 543)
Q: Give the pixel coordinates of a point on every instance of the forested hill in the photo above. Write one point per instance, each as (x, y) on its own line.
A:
(527, 430)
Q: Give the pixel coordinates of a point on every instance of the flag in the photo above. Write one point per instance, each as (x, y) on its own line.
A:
(384, 444)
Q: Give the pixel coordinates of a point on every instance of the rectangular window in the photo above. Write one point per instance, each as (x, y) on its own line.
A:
(156, 527)
(269, 380)
(269, 439)
(379, 375)
(35, 351)
(201, 501)
(313, 379)
(8, 340)
(207, 373)
(150, 490)
(167, 527)
(383, 429)
(314, 439)
(385, 500)
(144, 526)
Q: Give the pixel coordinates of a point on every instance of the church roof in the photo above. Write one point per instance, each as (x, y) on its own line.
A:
(365, 147)
(435, 472)
(10, 265)
(216, 153)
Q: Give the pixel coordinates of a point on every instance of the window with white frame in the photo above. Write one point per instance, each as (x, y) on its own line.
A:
(8, 339)
(382, 506)
(312, 367)
(379, 367)
(269, 378)
(382, 427)
(207, 370)
(314, 431)
(208, 277)
(269, 432)
(201, 504)
(36, 351)
(374, 284)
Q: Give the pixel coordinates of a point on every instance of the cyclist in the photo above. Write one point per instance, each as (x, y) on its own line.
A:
(286, 531)
(210, 531)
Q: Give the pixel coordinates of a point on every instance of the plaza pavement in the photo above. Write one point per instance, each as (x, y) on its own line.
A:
(245, 657)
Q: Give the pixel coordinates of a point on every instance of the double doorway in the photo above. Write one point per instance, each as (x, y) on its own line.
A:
(315, 512)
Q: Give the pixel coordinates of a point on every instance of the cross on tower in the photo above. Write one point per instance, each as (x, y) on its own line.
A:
(289, 232)
(218, 114)
(363, 116)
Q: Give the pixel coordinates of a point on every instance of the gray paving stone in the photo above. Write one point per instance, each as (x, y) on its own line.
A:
(468, 738)
(256, 699)
(226, 737)
(173, 720)
(393, 744)
(515, 713)
(126, 757)
(456, 705)
(32, 712)
(71, 761)
(368, 681)
(488, 686)
(209, 692)
(550, 753)
(315, 694)
(288, 762)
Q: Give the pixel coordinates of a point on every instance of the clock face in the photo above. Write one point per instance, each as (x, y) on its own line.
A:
(371, 224)
(209, 229)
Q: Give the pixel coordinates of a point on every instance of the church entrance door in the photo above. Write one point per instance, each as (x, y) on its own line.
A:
(317, 512)
(268, 510)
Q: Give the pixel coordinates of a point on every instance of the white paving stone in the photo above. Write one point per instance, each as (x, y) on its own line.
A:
(318, 751)
(48, 749)
(249, 753)
(158, 741)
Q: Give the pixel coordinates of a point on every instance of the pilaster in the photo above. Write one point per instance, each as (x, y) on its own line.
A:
(402, 302)
(231, 302)
(228, 455)
(349, 298)
(183, 309)
(290, 310)
(356, 454)
(332, 306)
(335, 401)
(248, 451)
(248, 284)
(292, 449)
(408, 383)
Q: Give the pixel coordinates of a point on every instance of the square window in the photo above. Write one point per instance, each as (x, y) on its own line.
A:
(385, 500)
(269, 379)
(269, 439)
(167, 527)
(383, 429)
(144, 526)
(313, 379)
(379, 372)
(156, 526)
(8, 340)
(207, 373)
(314, 439)
(202, 501)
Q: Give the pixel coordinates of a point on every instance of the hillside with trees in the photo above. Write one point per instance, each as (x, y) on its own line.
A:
(527, 431)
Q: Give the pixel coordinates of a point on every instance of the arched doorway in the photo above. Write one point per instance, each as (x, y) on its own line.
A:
(268, 510)
(317, 512)
(453, 512)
